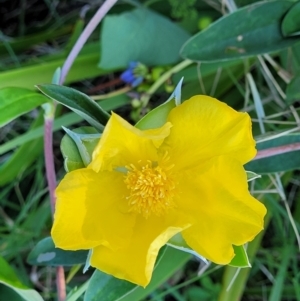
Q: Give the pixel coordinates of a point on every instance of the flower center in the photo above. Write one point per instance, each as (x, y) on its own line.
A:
(151, 189)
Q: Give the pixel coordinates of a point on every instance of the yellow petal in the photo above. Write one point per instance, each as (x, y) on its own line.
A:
(204, 127)
(122, 144)
(226, 213)
(136, 262)
(70, 211)
(89, 210)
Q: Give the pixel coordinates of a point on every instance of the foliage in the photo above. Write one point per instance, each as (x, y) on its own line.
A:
(245, 53)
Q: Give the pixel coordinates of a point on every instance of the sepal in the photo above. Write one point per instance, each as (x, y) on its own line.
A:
(158, 116)
(77, 147)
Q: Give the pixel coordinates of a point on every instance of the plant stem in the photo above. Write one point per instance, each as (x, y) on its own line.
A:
(145, 99)
(60, 283)
(51, 179)
(111, 94)
(102, 11)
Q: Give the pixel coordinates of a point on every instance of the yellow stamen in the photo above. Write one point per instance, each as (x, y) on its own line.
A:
(151, 188)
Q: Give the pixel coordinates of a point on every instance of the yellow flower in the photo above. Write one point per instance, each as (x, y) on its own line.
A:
(143, 187)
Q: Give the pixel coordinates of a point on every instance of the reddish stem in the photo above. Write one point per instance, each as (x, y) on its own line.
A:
(51, 179)
(60, 284)
(103, 86)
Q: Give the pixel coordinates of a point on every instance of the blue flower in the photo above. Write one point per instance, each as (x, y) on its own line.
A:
(134, 74)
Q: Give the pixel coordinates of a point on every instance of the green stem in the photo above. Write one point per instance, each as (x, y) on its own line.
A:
(145, 98)
(112, 94)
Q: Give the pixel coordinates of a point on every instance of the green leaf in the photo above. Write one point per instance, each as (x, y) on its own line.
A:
(276, 293)
(103, 287)
(277, 163)
(78, 102)
(240, 260)
(252, 176)
(293, 90)
(45, 253)
(77, 147)
(42, 73)
(291, 23)
(158, 116)
(77, 292)
(65, 120)
(15, 102)
(129, 41)
(8, 294)
(10, 280)
(249, 31)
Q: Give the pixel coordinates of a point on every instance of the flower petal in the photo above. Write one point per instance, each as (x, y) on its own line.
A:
(122, 144)
(70, 211)
(136, 262)
(87, 208)
(226, 213)
(107, 215)
(204, 127)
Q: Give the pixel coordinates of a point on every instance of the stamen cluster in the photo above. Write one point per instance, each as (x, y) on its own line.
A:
(151, 189)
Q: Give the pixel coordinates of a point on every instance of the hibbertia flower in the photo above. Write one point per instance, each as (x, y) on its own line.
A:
(144, 186)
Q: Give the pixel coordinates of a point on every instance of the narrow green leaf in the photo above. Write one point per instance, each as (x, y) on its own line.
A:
(77, 102)
(77, 147)
(15, 102)
(42, 73)
(293, 90)
(76, 293)
(240, 260)
(249, 31)
(291, 23)
(129, 41)
(45, 253)
(66, 120)
(103, 287)
(259, 108)
(21, 43)
(9, 279)
(277, 290)
(252, 176)
(158, 116)
(277, 163)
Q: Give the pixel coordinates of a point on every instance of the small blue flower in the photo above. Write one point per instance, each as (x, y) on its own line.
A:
(134, 74)
(127, 76)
